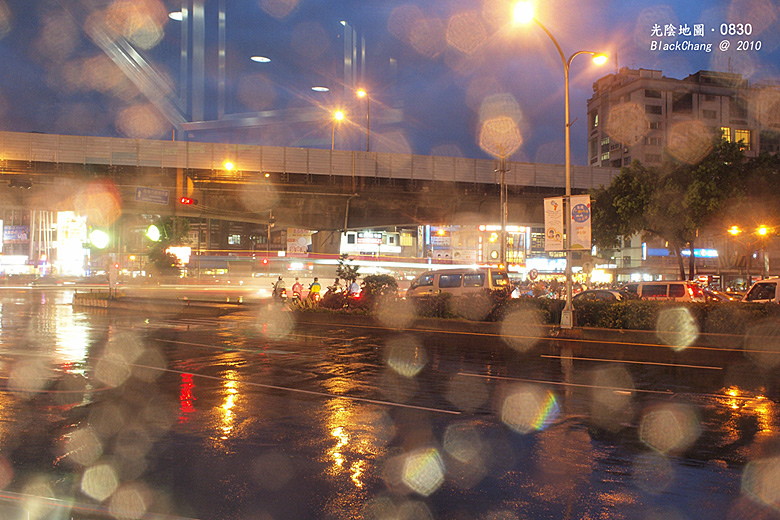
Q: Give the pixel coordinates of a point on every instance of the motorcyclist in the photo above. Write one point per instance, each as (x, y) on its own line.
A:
(297, 289)
(314, 289)
(279, 288)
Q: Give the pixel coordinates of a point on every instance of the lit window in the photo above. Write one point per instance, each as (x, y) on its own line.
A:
(726, 133)
(742, 136)
(605, 156)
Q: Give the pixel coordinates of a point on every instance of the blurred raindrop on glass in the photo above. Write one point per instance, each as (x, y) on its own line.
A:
(99, 482)
(467, 394)
(57, 39)
(677, 328)
(528, 408)
(405, 355)
(100, 202)
(522, 328)
(761, 481)
(275, 322)
(612, 391)
(141, 22)
(29, 377)
(564, 458)
(310, 40)
(669, 428)
(762, 343)
(650, 16)
(627, 124)
(386, 508)
(130, 501)
(475, 306)
(273, 470)
(256, 92)
(423, 471)
(83, 446)
(653, 473)
(142, 121)
(395, 313)
(259, 198)
(35, 502)
(499, 127)
(465, 32)
(690, 141)
(278, 8)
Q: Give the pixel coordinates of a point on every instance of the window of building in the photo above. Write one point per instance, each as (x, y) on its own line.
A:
(738, 108)
(350, 238)
(594, 120)
(709, 97)
(742, 136)
(234, 240)
(594, 147)
(650, 93)
(652, 158)
(726, 133)
(682, 103)
(604, 141)
(605, 156)
(655, 125)
(626, 161)
(709, 114)
(653, 109)
(653, 141)
(407, 240)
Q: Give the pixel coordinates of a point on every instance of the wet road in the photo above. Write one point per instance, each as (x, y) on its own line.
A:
(260, 415)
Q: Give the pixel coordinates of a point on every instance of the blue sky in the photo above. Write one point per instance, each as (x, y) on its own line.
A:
(451, 57)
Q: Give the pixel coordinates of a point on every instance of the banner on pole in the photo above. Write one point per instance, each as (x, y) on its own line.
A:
(580, 222)
(553, 224)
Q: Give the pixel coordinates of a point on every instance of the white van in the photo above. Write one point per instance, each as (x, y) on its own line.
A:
(763, 291)
(459, 282)
(679, 291)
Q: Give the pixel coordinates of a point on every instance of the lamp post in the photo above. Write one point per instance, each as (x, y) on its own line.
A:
(338, 115)
(523, 13)
(762, 232)
(362, 93)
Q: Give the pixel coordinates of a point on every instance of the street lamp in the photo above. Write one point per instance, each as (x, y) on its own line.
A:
(762, 232)
(361, 93)
(523, 13)
(338, 116)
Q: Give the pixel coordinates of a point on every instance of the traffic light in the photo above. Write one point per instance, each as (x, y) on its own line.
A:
(188, 200)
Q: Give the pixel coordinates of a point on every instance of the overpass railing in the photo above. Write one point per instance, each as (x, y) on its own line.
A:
(112, 151)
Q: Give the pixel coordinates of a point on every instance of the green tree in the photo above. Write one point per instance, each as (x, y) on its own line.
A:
(346, 270)
(673, 202)
(174, 231)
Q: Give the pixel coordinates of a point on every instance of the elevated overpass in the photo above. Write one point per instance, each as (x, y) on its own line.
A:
(298, 187)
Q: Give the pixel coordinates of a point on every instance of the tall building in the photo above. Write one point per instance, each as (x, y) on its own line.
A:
(643, 115)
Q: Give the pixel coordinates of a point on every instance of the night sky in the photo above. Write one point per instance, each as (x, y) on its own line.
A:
(458, 62)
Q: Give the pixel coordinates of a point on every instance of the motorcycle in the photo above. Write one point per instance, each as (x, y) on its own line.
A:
(279, 294)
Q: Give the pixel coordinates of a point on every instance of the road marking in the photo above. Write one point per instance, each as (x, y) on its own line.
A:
(703, 367)
(564, 383)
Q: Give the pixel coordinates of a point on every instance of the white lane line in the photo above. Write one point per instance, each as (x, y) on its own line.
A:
(703, 367)
(564, 383)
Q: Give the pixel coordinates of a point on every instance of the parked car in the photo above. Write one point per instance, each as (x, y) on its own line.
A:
(675, 290)
(603, 295)
(459, 282)
(763, 291)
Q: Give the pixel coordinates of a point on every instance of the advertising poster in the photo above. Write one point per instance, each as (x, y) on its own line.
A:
(298, 240)
(580, 222)
(553, 224)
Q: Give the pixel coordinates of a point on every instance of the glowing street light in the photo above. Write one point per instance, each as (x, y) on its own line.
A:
(524, 13)
(228, 165)
(99, 238)
(338, 116)
(361, 93)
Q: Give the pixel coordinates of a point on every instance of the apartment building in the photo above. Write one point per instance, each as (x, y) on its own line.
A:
(643, 115)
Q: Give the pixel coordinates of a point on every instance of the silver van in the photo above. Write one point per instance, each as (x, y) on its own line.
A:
(679, 291)
(763, 291)
(459, 282)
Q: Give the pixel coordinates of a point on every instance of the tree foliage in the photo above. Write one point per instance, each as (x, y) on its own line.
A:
(174, 231)
(673, 202)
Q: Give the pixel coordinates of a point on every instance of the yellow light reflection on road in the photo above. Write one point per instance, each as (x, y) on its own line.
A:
(230, 385)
